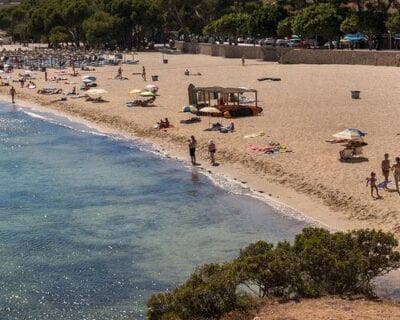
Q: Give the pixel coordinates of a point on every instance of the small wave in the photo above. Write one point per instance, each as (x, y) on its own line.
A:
(62, 121)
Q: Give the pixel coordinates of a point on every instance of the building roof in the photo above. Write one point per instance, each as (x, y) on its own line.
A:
(224, 90)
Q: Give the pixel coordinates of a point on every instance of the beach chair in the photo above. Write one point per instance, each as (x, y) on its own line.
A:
(346, 154)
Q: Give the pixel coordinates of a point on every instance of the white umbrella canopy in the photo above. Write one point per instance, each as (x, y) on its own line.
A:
(210, 110)
(88, 77)
(151, 86)
(350, 134)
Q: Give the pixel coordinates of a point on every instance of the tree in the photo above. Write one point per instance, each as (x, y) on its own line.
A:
(372, 22)
(233, 24)
(317, 20)
(59, 35)
(265, 20)
(350, 24)
(393, 23)
(74, 13)
(284, 28)
(100, 28)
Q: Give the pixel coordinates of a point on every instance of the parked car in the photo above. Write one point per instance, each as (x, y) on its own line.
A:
(331, 45)
(296, 42)
(355, 37)
(267, 42)
(281, 42)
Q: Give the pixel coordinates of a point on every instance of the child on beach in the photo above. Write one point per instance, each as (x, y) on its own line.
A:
(372, 182)
(386, 169)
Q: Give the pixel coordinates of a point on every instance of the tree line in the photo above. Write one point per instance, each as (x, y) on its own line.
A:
(129, 23)
(318, 263)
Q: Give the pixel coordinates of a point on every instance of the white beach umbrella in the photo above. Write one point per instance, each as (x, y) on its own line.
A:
(151, 86)
(89, 77)
(349, 134)
(211, 111)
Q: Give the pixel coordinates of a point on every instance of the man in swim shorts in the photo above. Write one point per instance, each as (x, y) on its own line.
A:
(386, 169)
(192, 149)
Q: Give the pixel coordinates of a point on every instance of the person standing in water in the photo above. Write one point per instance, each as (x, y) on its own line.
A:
(192, 149)
(12, 94)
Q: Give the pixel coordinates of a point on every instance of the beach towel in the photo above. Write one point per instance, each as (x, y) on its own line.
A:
(254, 135)
(382, 184)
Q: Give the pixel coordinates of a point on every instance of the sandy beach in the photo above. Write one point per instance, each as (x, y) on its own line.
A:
(302, 111)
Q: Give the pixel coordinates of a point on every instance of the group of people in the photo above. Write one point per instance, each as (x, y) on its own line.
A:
(192, 143)
(386, 169)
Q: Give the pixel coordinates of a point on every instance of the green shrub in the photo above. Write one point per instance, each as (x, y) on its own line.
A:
(316, 264)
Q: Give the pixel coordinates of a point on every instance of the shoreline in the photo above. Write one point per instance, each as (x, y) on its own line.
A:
(278, 196)
(299, 112)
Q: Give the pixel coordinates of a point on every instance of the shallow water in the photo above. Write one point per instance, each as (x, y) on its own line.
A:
(91, 226)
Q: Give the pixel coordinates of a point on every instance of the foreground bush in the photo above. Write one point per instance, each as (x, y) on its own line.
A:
(317, 263)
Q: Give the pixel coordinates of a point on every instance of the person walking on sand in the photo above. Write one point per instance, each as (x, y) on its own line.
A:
(386, 169)
(12, 94)
(211, 150)
(372, 182)
(192, 149)
(396, 172)
(45, 76)
(243, 60)
(144, 73)
(119, 72)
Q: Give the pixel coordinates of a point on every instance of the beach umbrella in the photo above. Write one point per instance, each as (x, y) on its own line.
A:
(210, 111)
(135, 91)
(89, 77)
(96, 91)
(349, 134)
(151, 87)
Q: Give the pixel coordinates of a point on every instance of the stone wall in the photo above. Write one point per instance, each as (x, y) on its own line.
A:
(294, 56)
(360, 57)
(230, 51)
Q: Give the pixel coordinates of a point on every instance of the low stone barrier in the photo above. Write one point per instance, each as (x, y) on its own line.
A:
(294, 56)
